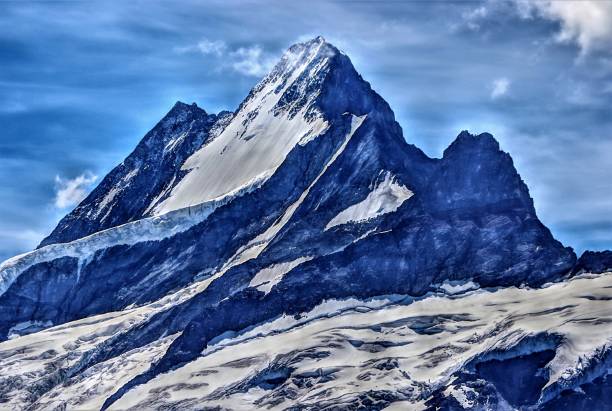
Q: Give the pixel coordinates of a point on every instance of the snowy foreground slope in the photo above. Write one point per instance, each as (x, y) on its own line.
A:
(484, 349)
(299, 254)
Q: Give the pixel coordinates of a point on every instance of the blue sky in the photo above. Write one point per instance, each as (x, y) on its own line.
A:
(82, 82)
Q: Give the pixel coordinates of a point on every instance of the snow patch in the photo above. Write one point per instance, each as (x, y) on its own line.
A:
(386, 197)
(457, 287)
(268, 277)
(464, 395)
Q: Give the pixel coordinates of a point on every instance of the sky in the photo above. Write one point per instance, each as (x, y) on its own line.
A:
(82, 82)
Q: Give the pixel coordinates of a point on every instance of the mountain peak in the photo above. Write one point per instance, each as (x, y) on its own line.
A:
(313, 42)
(317, 79)
(300, 69)
(468, 142)
(315, 47)
(179, 106)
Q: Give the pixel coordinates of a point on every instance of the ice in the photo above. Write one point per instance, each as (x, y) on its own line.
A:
(89, 390)
(147, 229)
(27, 327)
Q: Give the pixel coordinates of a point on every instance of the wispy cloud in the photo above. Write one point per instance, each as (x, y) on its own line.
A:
(212, 47)
(472, 18)
(206, 47)
(499, 87)
(249, 61)
(70, 192)
(252, 61)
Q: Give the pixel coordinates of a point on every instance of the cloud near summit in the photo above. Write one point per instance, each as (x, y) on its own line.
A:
(70, 192)
(251, 61)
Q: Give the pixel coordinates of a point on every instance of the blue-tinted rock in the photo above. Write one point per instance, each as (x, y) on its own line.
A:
(594, 262)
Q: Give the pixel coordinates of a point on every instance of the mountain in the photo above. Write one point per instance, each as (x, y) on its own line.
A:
(299, 254)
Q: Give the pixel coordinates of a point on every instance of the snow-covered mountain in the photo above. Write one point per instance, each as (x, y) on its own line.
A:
(299, 254)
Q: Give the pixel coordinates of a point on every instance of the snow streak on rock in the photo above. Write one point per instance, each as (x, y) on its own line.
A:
(386, 197)
(268, 277)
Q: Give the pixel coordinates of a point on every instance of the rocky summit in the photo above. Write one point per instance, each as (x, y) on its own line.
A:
(297, 254)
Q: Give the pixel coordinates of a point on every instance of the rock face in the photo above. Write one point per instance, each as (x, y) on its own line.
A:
(219, 224)
(596, 262)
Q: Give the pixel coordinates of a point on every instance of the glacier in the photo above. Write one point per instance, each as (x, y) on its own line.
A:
(378, 351)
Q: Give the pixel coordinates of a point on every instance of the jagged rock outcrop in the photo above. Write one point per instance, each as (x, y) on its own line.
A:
(594, 262)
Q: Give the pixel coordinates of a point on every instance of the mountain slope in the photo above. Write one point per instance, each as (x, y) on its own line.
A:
(145, 177)
(307, 194)
(439, 352)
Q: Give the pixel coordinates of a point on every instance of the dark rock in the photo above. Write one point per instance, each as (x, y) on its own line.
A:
(595, 262)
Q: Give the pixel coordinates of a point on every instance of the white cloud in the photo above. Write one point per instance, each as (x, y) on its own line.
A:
(249, 61)
(206, 47)
(216, 47)
(588, 23)
(499, 87)
(252, 61)
(70, 192)
(473, 17)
